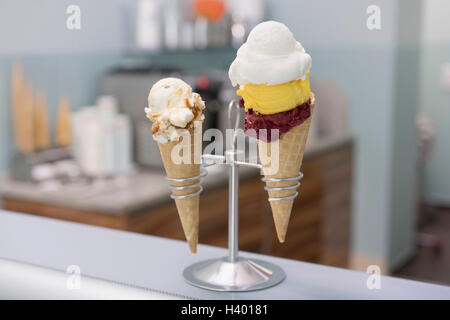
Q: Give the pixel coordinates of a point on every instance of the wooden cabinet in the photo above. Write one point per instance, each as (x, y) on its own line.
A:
(319, 230)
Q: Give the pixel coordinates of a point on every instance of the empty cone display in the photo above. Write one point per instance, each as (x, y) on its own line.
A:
(63, 128)
(41, 132)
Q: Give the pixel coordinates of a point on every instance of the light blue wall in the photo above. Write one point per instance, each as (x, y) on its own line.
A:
(378, 70)
(55, 59)
(40, 26)
(368, 86)
(404, 201)
(435, 101)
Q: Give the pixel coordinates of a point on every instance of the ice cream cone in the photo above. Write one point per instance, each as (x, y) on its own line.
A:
(188, 208)
(291, 149)
(176, 114)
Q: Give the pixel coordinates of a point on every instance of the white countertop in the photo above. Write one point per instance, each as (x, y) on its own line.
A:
(107, 257)
(25, 281)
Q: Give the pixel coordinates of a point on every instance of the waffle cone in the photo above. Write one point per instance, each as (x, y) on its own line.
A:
(291, 150)
(188, 208)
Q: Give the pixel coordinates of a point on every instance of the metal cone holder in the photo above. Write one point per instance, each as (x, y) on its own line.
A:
(198, 185)
(233, 273)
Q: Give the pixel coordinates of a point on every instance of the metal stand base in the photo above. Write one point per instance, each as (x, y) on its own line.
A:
(242, 275)
(233, 273)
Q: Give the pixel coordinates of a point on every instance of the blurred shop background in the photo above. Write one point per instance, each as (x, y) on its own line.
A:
(75, 143)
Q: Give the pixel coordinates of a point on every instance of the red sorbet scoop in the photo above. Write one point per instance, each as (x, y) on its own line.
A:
(283, 121)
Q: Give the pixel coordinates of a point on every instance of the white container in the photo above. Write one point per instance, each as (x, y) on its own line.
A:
(122, 156)
(102, 140)
(149, 25)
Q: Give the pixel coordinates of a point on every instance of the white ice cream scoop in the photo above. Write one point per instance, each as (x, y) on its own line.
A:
(270, 56)
(172, 106)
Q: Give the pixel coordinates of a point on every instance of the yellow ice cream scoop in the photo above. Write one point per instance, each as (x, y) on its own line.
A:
(277, 98)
